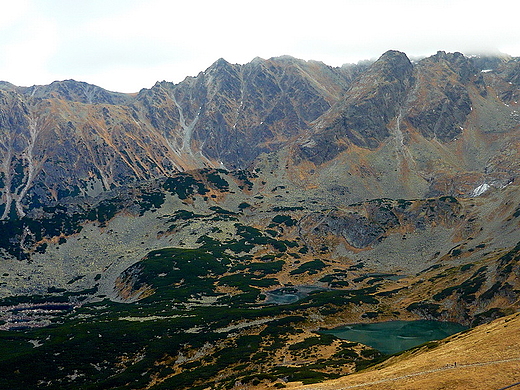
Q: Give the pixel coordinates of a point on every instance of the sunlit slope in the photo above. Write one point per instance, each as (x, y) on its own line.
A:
(486, 357)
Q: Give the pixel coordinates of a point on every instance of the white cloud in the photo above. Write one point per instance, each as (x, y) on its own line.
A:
(12, 11)
(129, 44)
(28, 42)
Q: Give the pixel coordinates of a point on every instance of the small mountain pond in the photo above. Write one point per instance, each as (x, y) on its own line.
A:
(290, 294)
(396, 336)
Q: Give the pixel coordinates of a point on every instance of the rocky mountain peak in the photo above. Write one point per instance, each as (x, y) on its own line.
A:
(362, 118)
(457, 63)
(218, 66)
(5, 85)
(77, 91)
(393, 63)
(389, 75)
(442, 102)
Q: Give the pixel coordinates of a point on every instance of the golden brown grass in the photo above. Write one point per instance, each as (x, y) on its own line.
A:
(484, 358)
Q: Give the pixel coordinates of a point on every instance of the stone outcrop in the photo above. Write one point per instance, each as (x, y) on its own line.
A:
(362, 117)
(441, 101)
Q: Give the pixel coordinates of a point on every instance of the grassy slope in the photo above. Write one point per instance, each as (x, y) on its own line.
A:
(486, 357)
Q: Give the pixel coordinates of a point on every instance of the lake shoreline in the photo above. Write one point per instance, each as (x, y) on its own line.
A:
(390, 337)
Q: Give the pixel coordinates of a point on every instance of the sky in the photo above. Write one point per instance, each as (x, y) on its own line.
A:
(126, 45)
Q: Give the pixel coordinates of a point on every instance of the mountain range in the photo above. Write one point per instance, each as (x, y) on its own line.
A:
(444, 125)
(246, 208)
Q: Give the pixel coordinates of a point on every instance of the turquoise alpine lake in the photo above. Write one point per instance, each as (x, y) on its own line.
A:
(396, 336)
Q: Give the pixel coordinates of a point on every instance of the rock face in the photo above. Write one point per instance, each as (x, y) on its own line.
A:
(390, 119)
(369, 223)
(232, 113)
(74, 91)
(431, 97)
(72, 138)
(442, 103)
(362, 117)
(415, 130)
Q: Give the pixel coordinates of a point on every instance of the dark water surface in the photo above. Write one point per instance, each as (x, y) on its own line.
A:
(396, 336)
(288, 295)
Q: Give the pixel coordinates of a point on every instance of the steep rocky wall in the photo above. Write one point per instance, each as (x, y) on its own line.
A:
(422, 126)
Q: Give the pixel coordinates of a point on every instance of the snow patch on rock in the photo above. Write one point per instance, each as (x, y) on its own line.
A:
(480, 189)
